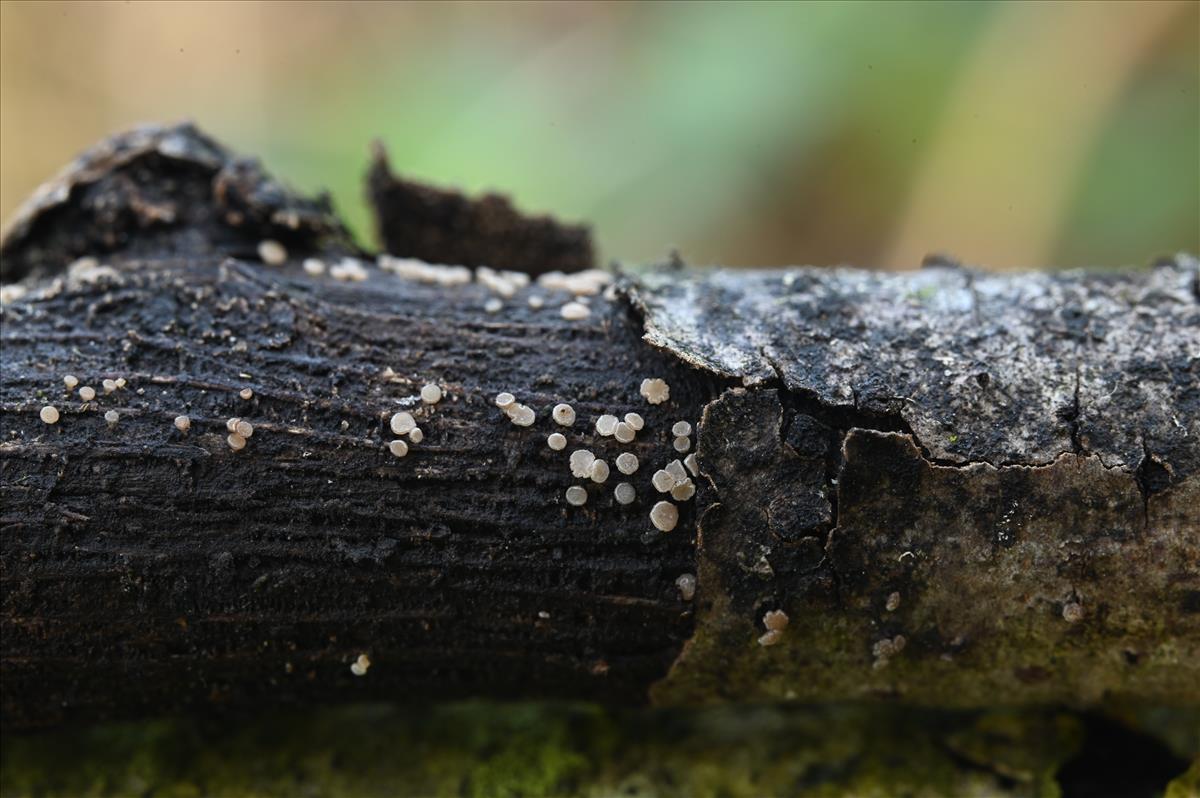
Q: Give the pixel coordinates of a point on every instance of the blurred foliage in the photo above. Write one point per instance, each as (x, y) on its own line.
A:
(487, 750)
(1012, 134)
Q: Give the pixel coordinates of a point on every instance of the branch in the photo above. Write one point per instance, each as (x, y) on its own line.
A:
(957, 489)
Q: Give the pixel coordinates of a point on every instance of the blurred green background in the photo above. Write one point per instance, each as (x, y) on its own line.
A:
(1009, 134)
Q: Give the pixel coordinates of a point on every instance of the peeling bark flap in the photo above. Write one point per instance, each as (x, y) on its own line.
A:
(1001, 369)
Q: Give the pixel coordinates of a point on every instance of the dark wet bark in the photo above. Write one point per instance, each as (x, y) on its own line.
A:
(1037, 527)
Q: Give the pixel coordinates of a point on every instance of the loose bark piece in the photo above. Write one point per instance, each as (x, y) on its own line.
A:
(915, 531)
(439, 226)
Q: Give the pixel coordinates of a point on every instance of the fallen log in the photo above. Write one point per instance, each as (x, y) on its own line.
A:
(946, 487)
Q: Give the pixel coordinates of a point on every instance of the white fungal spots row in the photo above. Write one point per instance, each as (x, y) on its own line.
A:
(504, 283)
(655, 390)
(348, 270)
(272, 253)
(361, 665)
(421, 272)
(775, 621)
(588, 282)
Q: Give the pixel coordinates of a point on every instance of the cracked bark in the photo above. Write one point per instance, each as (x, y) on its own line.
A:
(963, 489)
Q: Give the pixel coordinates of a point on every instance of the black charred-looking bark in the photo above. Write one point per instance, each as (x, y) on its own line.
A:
(961, 489)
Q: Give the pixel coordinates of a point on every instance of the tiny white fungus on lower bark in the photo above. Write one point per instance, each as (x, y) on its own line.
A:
(398, 448)
(627, 463)
(682, 444)
(635, 421)
(563, 414)
(599, 471)
(624, 493)
(664, 516)
(108, 385)
(431, 394)
(361, 665)
(687, 586)
(87, 393)
(246, 394)
(70, 381)
(504, 399)
(235, 441)
(557, 441)
(49, 414)
(624, 433)
(692, 464)
(403, 423)
(776, 620)
(314, 267)
(272, 253)
(576, 496)
(575, 311)
(655, 390)
(183, 423)
(606, 425)
(416, 435)
(681, 428)
(493, 305)
(581, 463)
(112, 417)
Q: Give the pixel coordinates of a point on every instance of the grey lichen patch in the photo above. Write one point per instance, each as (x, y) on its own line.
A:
(1005, 369)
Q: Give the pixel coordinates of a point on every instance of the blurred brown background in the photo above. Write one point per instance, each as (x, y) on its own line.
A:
(1011, 134)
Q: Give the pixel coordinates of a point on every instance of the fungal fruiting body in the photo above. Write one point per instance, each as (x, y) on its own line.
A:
(314, 267)
(1072, 612)
(634, 421)
(893, 602)
(108, 385)
(606, 425)
(682, 444)
(416, 435)
(575, 311)
(692, 464)
(361, 665)
(504, 399)
(681, 428)
(246, 393)
(120, 382)
(581, 463)
(624, 433)
(431, 394)
(624, 493)
(421, 272)
(687, 586)
(582, 283)
(520, 415)
(348, 270)
(655, 391)
(49, 414)
(183, 423)
(231, 424)
(683, 491)
(398, 448)
(244, 428)
(563, 414)
(627, 463)
(599, 471)
(885, 649)
(272, 253)
(775, 621)
(576, 496)
(664, 516)
(662, 481)
(112, 417)
(235, 441)
(87, 393)
(493, 305)
(536, 302)
(557, 441)
(70, 381)
(403, 423)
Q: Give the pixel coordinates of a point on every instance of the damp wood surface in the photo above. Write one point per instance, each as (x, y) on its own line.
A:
(945, 487)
